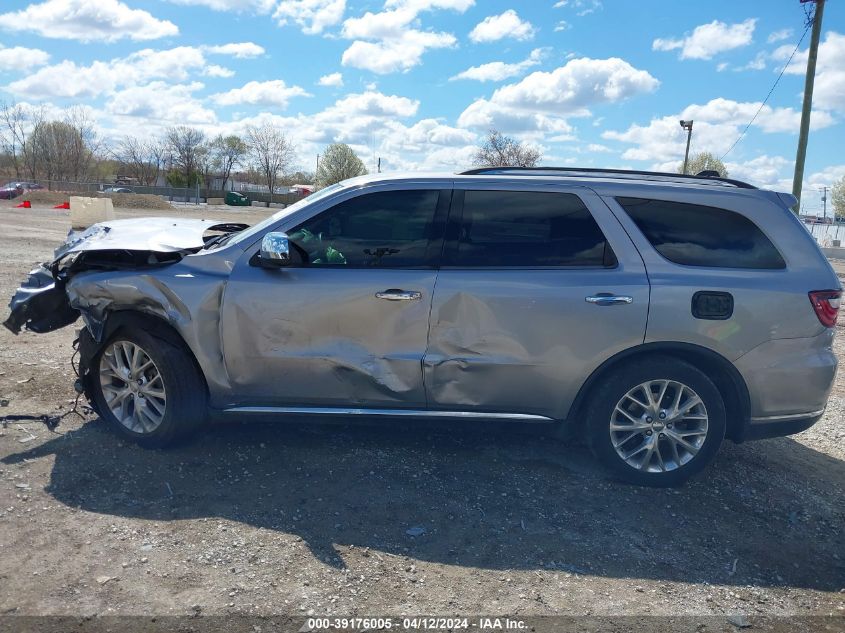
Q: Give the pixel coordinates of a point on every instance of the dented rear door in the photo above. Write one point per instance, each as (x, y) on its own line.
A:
(348, 326)
(539, 285)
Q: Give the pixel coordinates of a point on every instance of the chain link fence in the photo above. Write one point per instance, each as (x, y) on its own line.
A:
(185, 195)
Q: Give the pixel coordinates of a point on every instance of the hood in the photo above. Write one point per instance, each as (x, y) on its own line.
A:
(156, 235)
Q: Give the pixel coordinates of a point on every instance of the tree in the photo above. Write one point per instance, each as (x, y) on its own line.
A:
(185, 143)
(339, 162)
(704, 161)
(271, 153)
(226, 153)
(499, 150)
(142, 160)
(837, 197)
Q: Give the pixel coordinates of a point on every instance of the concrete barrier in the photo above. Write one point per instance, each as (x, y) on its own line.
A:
(834, 252)
(87, 211)
(257, 203)
(277, 205)
(216, 201)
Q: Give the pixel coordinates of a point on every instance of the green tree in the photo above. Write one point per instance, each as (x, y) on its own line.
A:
(226, 153)
(338, 162)
(704, 161)
(837, 197)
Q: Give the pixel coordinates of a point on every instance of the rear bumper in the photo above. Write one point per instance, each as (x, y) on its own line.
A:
(778, 426)
(789, 380)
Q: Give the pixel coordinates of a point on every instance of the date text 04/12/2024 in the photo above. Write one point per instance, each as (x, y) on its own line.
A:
(416, 623)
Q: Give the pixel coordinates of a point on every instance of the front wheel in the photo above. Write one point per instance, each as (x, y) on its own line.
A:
(656, 422)
(148, 389)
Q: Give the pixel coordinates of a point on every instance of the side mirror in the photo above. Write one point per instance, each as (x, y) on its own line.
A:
(275, 250)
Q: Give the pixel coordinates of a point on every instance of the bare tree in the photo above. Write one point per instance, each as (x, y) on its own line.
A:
(499, 150)
(226, 153)
(339, 162)
(142, 160)
(704, 161)
(17, 123)
(185, 143)
(271, 152)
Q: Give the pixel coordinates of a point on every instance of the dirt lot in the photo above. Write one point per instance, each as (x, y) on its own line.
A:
(305, 519)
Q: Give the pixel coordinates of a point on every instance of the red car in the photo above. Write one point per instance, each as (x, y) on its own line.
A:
(11, 190)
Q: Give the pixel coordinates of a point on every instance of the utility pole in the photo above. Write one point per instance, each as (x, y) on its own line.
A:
(809, 81)
(687, 125)
(824, 202)
(379, 164)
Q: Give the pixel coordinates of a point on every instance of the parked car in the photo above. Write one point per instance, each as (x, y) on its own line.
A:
(651, 314)
(118, 190)
(11, 190)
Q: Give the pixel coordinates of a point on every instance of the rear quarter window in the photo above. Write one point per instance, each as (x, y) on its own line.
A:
(697, 235)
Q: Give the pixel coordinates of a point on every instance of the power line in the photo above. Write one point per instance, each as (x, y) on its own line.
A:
(774, 85)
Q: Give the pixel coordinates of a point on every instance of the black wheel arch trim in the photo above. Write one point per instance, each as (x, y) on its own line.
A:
(728, 380)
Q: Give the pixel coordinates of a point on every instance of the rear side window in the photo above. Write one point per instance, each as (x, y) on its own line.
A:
(529, 229)
(695, 235)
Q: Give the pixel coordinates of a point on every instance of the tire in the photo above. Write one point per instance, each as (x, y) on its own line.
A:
(664, 451)
(154, 411)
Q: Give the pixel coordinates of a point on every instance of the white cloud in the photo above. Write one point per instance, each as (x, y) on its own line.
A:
(21, 59)
(257, 6)
(161, 102)
(575, 86)
(498, 71)
(334, 80)
(86, 21)
(542, 101)
(392, 55)
(582, 7)
(829, 92)
(718, 124)
(240, 50)
(779, 36)
(561, 25)
(67, 79)
(497, 27)
(270, 93)
(710, 39)
(390, 41)
(218, 71)
(313, 16)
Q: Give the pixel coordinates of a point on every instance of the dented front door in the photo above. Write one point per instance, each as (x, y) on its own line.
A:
(538, 287)
(347, 327)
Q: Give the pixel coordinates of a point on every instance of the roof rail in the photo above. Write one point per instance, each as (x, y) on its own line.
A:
(587, 172)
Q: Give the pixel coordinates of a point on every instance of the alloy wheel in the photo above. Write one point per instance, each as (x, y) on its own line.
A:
(132, 387)
(658, 426)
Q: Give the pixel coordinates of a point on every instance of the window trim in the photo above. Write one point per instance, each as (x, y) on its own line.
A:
(433, 250)
(763, 232)
(456, 216)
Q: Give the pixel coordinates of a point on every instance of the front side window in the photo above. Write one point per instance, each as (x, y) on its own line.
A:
(388, 229)
(696, 235)
(529, 229)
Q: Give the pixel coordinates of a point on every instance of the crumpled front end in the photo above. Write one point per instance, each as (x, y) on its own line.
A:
(41, 304)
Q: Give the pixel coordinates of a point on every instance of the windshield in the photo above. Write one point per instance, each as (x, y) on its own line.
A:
(246, 235)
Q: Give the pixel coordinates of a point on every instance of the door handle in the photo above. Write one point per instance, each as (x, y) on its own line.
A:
(394, 294)
(607, 299)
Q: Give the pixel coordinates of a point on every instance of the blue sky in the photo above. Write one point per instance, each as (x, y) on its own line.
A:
(417, 82)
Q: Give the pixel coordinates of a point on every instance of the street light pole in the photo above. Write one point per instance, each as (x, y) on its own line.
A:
(687, 125)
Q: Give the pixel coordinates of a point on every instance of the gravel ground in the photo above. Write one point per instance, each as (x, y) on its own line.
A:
(346, 520)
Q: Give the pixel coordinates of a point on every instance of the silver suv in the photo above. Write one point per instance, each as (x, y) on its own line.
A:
(651, 314)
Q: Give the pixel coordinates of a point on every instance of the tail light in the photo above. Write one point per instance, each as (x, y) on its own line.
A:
(826, 305)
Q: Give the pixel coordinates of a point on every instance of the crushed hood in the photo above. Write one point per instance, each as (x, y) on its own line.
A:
(41, 303)
(155, 235)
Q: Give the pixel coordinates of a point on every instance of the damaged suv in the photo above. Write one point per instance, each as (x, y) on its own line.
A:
(651, 314)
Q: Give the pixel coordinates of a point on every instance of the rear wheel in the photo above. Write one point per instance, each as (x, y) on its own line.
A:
(148, 389)
(656, 422)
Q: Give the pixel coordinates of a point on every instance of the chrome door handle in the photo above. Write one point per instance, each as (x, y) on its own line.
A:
(399, 295)
(605, 299)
